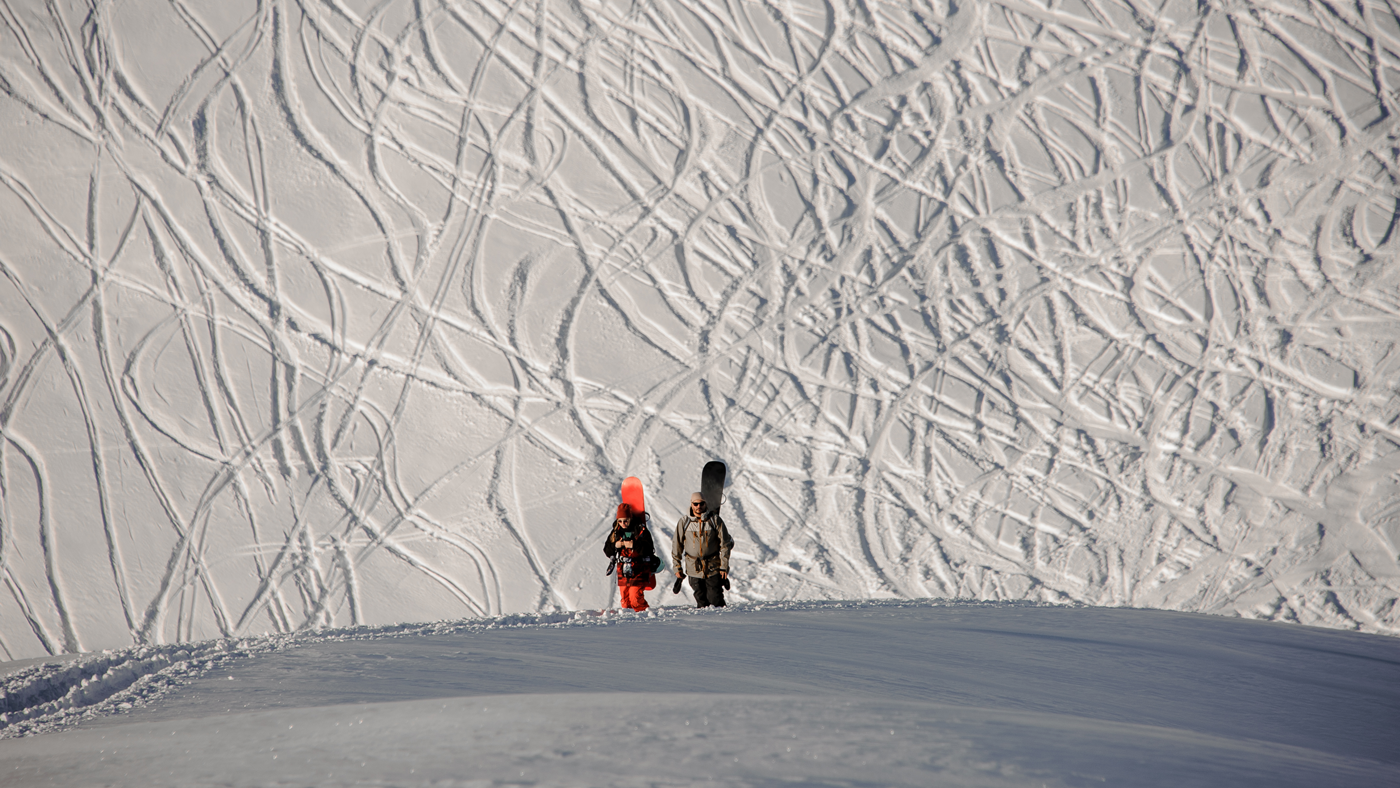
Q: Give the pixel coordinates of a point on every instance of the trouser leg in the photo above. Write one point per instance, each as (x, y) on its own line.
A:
(715, 590)
(698, 586)
(708, 591)
(634, 597)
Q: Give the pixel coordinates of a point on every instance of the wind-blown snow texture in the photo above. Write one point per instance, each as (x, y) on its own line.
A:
(319, 311)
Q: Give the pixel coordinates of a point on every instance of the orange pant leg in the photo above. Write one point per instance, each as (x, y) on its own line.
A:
(634, 597)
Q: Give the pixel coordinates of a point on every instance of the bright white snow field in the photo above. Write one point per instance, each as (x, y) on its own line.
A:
(336, 312)
(351, 313)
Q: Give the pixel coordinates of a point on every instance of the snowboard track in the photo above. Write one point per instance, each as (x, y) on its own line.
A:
(313, 318)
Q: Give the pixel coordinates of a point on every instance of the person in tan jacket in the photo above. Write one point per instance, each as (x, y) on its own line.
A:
(700, 551)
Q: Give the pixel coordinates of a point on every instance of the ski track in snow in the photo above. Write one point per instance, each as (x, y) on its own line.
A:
(335, 313)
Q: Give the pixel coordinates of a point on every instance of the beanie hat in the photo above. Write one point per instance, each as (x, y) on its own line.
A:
(623, 510)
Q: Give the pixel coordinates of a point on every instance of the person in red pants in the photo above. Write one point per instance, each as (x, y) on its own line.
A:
(634, 554)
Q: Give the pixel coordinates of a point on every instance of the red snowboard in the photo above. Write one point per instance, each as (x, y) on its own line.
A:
(632, 494)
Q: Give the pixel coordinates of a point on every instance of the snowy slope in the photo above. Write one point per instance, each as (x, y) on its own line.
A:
(817, 694)
(351, 312)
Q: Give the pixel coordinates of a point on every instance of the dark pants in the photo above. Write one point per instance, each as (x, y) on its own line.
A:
(708, 591)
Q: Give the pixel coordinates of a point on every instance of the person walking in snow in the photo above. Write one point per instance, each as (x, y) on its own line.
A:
(634, 554)
(700, 551)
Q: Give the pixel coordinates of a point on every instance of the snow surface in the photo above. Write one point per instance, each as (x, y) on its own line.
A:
(338, 312)
(830, 694)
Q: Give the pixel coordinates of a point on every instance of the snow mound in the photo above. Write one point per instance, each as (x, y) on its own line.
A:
(334, 313)
(50, 697)
(905, 693)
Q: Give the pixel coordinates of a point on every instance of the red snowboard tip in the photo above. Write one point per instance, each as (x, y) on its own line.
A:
(632, 495)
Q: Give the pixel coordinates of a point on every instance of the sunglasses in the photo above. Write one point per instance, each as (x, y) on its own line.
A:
(698, 505)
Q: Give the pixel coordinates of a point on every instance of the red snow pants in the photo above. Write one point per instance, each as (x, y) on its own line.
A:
(633, 591)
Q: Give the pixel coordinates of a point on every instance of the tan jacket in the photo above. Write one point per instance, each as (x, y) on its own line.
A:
(702, 546)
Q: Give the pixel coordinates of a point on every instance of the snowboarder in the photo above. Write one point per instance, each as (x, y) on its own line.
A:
(701, 552)
(634, 554)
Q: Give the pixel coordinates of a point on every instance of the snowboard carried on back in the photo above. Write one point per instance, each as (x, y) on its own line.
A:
(712, 486)
(633, 496)
(712, 490)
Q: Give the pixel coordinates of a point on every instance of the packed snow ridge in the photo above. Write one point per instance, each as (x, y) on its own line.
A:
(58, 694)
(351, 312)
(890, 693)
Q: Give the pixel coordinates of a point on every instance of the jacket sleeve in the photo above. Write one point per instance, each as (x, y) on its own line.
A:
(678, 548)
(726, 543)
(609, 549)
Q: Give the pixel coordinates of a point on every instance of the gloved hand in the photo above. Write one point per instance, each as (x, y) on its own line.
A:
(676, 588)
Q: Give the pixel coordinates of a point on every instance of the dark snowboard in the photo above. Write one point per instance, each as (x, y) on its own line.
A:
(712, 486)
